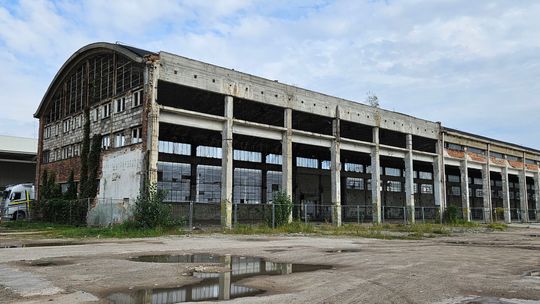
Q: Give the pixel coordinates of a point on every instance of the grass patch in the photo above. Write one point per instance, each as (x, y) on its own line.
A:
(386, 231)
(294, 227)
(125, 230)
(497, 226)
(129, 230)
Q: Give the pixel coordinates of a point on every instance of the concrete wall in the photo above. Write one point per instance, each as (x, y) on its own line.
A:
(122, 171)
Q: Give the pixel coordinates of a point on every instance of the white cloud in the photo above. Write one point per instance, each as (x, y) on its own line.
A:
(472, 65)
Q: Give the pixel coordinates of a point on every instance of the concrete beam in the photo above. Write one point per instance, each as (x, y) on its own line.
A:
(287, 157)
(409, 180)
(423, 157)
(257, 130)
(184, 119)
(376, 178)
(355, 146)
(227, 166)
(312, 139)
(335, 175)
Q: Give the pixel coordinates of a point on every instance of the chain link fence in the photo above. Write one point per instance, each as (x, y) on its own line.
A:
(106, 212)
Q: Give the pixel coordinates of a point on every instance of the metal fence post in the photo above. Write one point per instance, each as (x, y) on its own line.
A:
(87, 209)
(110, 202)
(423, 215)
(191, 207)
(305, 214)
(382, 215)
(358, 213)
(235, 210)
(404, 215)
(273, 216)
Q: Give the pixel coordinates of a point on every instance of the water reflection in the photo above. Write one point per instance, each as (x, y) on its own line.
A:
(214, 286)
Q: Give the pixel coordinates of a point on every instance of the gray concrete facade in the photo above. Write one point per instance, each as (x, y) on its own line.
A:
(328, 154)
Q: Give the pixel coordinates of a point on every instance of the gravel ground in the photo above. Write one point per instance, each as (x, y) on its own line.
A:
(487, 267)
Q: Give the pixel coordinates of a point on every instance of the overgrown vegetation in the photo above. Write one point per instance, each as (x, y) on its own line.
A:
(385, 231)
(88, 189)
(150, 211)
(451, 215)
(62, 211)
(282, 207)
(72, 206)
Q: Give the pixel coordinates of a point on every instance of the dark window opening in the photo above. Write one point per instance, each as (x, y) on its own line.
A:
(312, 123)
(187, 98)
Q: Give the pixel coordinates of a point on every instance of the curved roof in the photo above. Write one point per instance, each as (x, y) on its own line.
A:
(130, 52)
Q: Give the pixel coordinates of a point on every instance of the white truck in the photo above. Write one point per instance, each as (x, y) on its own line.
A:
(17, 201)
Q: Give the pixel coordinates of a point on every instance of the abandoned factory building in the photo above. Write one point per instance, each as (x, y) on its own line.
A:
(210, 134)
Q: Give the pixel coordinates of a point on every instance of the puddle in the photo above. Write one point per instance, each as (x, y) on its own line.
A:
(214, 285)
(275, 250)
(534, 273)
(48, 263)
(342, 250)
(257, 240)
(41, 245)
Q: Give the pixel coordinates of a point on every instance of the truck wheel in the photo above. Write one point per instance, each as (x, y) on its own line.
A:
(19, 215)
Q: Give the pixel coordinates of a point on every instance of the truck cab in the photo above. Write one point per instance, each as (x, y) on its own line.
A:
(17, 200)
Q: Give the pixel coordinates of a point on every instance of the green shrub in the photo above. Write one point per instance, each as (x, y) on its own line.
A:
(61, 211)
(282, 205)
(451, 215)
(150, 211)
(499, 214)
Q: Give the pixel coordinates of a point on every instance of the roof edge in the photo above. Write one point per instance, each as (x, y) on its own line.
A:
(128, 51)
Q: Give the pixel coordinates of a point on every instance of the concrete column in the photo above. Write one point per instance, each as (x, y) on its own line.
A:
(506, 195)
(335, 175)
(486, 193)
(439, 178)
(409, 180)
(153, 144)
(287, 157)
(376, 178)
(523, 202)
(537, 195)
(153, 124)
(227, 165)
(465, 204)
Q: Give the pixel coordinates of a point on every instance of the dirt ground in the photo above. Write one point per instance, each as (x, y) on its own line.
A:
(493, 267)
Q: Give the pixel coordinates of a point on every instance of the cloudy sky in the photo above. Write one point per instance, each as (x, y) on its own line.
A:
(473, 65)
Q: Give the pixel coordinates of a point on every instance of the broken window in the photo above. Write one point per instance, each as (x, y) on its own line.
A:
(137, 98)
(136, 135)
(426, 188)
(106, 111)
(119, 140)
(393, 186)
(105, 142)
(355, 183)
(120, 104)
